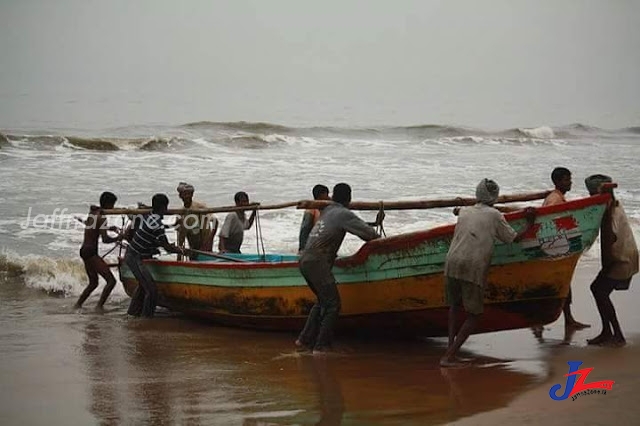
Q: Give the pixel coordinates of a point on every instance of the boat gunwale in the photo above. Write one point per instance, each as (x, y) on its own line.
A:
(386, 243)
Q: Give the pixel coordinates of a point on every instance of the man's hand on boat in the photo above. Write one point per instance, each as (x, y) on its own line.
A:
(172, 248)
(530, 215)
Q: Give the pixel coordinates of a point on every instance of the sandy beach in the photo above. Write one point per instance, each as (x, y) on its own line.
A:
(618, 364)
(63, 367)
(616, 407)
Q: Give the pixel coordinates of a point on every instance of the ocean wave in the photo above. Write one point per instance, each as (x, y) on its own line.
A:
(117, 144)
(243, 126)
(35, 142)
(57, 277)
(582, 128)
(632, 129)
(249, 141)
(435, 130)
(493, 140)
(257, 135)
(51, 142)
(92, 144)
(542, 132)
(157, 144)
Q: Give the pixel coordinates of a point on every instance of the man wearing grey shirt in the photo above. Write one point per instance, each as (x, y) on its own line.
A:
(317, 260)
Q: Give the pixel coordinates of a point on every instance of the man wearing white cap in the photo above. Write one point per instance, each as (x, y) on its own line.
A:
(197, 229)
(468, 260)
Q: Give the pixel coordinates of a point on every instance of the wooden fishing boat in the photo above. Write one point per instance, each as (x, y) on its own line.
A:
(392, 285)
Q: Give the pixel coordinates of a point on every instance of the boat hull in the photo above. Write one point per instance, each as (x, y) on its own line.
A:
(392, 286)
(517, 295)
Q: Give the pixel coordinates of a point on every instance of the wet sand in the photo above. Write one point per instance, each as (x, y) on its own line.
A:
(621, 365)
(618, 406)
(62, 367)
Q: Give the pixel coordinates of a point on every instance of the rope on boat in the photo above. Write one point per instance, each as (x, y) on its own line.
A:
(117, 244)
(259, 238)
(121, 245)
(380, 226)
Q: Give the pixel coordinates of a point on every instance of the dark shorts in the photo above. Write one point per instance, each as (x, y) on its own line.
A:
(464, 293)
(87, 253)
(611, 283)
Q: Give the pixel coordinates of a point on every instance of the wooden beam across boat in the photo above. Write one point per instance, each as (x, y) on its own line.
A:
(183, 211)
(426, 204)
(355, 205)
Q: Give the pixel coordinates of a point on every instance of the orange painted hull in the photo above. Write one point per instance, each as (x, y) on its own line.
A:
(517, 295)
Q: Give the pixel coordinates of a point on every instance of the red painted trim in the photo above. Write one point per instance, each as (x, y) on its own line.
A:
(390, 244)
(407, 241)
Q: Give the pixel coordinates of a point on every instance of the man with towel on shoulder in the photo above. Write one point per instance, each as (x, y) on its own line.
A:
(468, 260)
(619, 257)
(198, 229)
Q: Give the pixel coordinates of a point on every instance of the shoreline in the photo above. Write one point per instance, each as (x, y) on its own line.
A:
(534, 406)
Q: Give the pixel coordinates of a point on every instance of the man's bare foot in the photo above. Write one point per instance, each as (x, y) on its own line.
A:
(601, 339)
(452, 363)
(576, 325)
(616, 342)
(537, 331)
(301, 347)
(99, 309)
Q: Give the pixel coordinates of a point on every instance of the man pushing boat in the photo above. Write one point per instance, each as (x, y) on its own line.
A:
(94, 265)
(148, 235)
(468, 260)
(317, 260)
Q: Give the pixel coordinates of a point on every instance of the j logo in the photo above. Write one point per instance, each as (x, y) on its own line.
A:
(576, 382)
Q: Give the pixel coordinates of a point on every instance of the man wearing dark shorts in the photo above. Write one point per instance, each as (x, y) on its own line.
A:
(148, 235)
(619, 257)
(94, 265)
(317, 260)
(468, 260)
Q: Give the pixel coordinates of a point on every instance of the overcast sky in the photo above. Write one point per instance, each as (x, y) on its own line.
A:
(489, 64)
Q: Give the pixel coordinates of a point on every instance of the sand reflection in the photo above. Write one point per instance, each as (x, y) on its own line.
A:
(171, 370)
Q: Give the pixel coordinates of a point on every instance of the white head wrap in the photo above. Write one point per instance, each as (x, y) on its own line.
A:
(487, 192)
(184, 187)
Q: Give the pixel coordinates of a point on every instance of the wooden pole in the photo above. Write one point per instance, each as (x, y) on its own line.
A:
(224, 209)
(425, 204)
(355, 205)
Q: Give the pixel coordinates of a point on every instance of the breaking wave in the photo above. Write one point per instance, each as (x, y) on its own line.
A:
(51, 142)
(56, 277)
(260, 135)
(242, 126)
(543, 132)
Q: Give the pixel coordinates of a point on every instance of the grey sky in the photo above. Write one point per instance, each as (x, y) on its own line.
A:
(489, 64)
